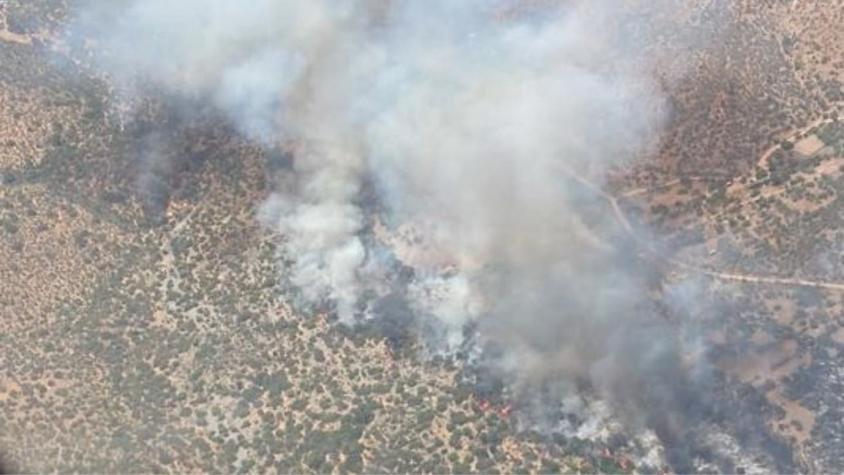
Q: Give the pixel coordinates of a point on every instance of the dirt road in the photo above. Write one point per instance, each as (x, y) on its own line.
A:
(766, 155)
(737, 277)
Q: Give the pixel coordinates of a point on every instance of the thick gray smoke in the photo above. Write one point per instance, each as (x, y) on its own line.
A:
(469, 117)
(484, 128)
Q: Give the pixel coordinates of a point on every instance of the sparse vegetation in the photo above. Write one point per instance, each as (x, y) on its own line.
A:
(147, 329)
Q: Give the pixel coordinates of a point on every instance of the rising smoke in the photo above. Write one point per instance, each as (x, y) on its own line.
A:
(482, 128)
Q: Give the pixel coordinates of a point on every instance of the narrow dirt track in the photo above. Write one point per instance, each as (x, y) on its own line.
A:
(761, 279)
(791, 137)
(736, 277)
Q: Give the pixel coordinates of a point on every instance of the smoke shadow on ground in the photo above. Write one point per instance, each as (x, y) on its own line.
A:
(7, 466)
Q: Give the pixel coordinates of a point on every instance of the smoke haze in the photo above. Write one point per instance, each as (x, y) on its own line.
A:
(481, 128)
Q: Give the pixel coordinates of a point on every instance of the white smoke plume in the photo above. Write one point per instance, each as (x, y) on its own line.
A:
(475, 123)
(468, 117)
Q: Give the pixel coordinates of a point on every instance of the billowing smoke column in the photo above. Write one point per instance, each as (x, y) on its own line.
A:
(468, 116)
(482, 128)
